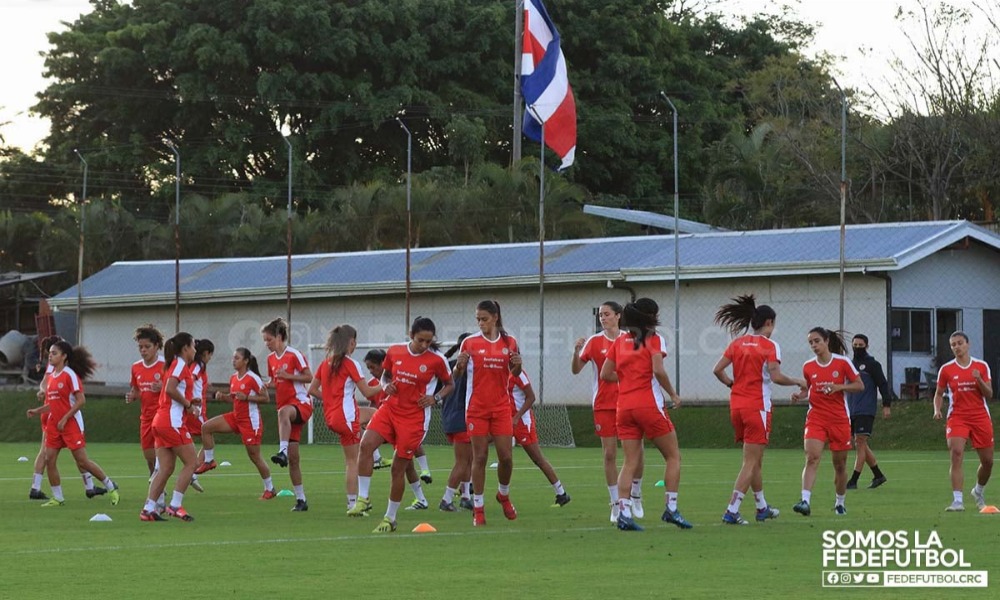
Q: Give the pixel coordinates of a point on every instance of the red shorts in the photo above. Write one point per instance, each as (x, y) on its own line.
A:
(462, 437)
(605, 423)
(838, 433)
(751, 426)
(526, 434)
(633, 423)
(496, 423)
(70, 437)
(350, 433)
(305, 412)
(146, 438)
(978, 430)
(405, 435)
(169, 437)
(192, 423)
(243, 427)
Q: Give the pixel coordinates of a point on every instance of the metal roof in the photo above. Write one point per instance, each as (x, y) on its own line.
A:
(816, 250)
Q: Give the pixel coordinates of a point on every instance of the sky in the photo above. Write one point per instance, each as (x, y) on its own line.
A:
(863, 32)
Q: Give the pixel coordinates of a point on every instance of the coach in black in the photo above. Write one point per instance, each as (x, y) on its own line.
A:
(863, 406)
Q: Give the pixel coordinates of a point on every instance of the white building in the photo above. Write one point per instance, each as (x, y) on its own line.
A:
(907, 286)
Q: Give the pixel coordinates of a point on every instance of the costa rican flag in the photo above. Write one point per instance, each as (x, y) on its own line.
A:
(545, 85)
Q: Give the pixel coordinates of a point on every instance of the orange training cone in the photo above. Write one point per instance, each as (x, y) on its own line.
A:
(424, 528)
(989, 510)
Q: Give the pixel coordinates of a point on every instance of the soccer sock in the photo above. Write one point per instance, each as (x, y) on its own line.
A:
(57, 493)
(558, 487)
(671, 501)
(504, 489)
(979, 489)
(957, 495)
(877, 472)
(377, 456)
(210, 455)
(300, 492)
(283, 446)
(110, 484)
(840, 500)
(352, 499)
(613, 492)
(268, 484)
(88, 481)
(36, 482)
(177, 500)
(162, 500)
(418, 491)
(422, 463)
(855, 475)
(466, 489)
(150, 505)
(390, 511)
(364, 484)
(759, 501)
(449, 495)
(735, 501)
(625, 506)
(636, 488)
(477, 501)
(807, 495)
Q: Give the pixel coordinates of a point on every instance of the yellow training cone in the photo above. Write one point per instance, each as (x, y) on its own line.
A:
(424, 528)
(989, 510)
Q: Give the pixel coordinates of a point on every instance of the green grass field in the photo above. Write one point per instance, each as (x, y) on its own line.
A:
(242, 547)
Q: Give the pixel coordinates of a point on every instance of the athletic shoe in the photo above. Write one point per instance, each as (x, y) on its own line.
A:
(54, 502)
(478, 517)
(627, 524)
(196, 485)
(956, 506)
(150, 516)
(508, 509)
(447, 507)
(382, 463)
(637, 511)
(280, 459)
(425, 476)
(877, 481)
(386, 526)
(97, 491)
(37, 495)
(768, 512)
(802, 508)
(205, 467)
(840, 509)
(179, 513)
(615, 511)
(268, 495)
(360, 508)
(417, 505)
(675, 517)
(466, 503)
(853, 484)
(113, 494)
(300, 506)
(980, 500)
(731, 518)
(562, 500)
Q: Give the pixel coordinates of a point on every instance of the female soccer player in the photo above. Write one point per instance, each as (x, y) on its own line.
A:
(968, 382)
(827, 376)
(173, 440)
(605, 403)
(335, 381)
(412, 371)
(289, 373)
(64, 400)
(756, 361)
(635, 360)
(522, 398)
(453, 424)
(247, 392)
(373, 362)
(203, 352)
(487, 359)
(145, 386)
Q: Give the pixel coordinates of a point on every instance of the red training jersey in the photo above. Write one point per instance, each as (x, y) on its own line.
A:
(144, 377)
(170, 413)
(60, 395)
(966, 399)
(832, 408)
(487, 372)
(246, 411)
(750, 355)
(604, 394)
(515, 387)
(338, 390)
(415, 376)
(287, 392)
(637, 387)
(379, 398)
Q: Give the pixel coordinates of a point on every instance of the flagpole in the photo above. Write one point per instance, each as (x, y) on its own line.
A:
(541, 260)
(518, 50)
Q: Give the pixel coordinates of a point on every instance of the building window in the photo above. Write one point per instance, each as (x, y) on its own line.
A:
(911, 330)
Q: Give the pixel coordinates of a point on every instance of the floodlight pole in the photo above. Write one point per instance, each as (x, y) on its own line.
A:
(677, 257)
(843, 195)
(79, 272)
(409, 218)
(288, 268)
(177, 234)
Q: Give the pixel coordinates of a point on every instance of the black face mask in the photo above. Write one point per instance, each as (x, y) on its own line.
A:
(860, 353)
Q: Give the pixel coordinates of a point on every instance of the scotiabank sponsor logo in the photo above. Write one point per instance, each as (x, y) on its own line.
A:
(887, 558)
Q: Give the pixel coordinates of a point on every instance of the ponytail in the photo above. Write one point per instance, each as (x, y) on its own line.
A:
(640, 318)
(200, 348)
(337, 343)
(833, 338)
(743, 314)
(251, 360)
(277, 328)
(173, 346)
(78, 359)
